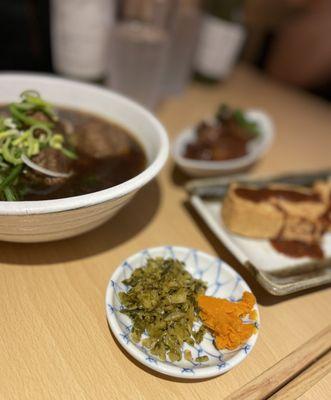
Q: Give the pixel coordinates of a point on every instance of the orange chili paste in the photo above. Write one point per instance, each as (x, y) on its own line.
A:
(224, 319)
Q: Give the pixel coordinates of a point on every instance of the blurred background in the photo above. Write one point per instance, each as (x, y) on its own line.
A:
(151, 50)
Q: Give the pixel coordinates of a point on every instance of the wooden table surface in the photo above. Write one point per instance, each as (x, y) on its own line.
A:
(55, 342)
(321, 390)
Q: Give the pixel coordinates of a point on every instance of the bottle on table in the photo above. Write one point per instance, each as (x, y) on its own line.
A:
(79, 35)
(221, 39)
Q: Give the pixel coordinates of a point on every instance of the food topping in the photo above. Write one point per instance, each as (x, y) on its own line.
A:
(225, 319)
(25, 136)
(265, 194)
(162, 303)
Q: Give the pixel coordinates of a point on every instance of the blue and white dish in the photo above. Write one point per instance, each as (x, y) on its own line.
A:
(222, 280)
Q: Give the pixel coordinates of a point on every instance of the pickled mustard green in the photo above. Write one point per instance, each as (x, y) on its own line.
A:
(161, 301)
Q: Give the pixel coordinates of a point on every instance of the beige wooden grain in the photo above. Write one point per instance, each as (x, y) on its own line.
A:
(287, 369)
(306, 380)
(320, 391)
(54, 338)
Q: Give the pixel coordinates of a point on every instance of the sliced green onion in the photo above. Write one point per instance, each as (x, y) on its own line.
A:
(25, 119)
(51, 113)
(10, 178)
(8, 133)
(69, 153)
(29, 92)
(18, 146)
(9, 123)
(8, 153)
(24, 106)
(32, 99)
(56, 141)
(42, 138)
(9, 194)
(2, 123)
(3, 165)
(21, 138)
(58, 137)
(32, 146)
(37, 101)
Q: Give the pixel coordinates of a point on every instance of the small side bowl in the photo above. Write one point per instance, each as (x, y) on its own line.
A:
(222, 281)
(256, 148)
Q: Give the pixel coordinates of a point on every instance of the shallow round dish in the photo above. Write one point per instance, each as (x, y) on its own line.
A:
(256, 148)
(38, 221)
(222, 281)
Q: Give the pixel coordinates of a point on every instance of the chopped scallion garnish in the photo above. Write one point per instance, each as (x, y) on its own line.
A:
(10, 194)
(24, 134)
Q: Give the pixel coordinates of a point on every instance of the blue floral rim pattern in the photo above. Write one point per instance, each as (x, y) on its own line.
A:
(222, 281)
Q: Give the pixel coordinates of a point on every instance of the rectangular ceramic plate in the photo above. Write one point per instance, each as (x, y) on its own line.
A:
(278, 273)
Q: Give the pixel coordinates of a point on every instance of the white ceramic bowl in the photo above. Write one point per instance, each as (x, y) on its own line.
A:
(256, 149)
(38, 221)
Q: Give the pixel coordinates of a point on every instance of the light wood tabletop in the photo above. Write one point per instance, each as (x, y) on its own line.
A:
(321, 390)
(55, 342)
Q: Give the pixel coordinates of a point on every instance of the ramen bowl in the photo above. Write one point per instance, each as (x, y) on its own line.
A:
(47, 220)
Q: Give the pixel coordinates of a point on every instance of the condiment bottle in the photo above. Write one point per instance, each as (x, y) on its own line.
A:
(80, 33)
(221, 39)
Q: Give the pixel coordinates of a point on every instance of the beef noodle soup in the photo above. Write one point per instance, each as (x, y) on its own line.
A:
(107, 155)
(51, 154)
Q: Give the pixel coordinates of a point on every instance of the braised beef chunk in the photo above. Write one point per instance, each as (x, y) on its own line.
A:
(65, 126)
(93, 136)
(217, 143)
(53, 160)
(95, 141)
(40, 116)
(208, 133)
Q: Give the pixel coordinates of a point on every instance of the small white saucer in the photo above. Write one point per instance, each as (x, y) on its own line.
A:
(222, 280)
(256, 148)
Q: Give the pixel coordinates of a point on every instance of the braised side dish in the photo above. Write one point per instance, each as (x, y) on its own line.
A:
(49, 154)
(162, 303)
(225, 138)
(293, 218)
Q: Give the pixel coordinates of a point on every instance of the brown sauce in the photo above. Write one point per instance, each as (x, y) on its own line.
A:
(264, 194)
(326, 217)
(295, 249)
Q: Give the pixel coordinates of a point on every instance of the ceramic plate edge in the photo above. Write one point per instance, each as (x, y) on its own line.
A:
(173, 370)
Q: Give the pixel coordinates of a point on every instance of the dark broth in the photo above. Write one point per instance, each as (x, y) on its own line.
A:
(91, 172)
